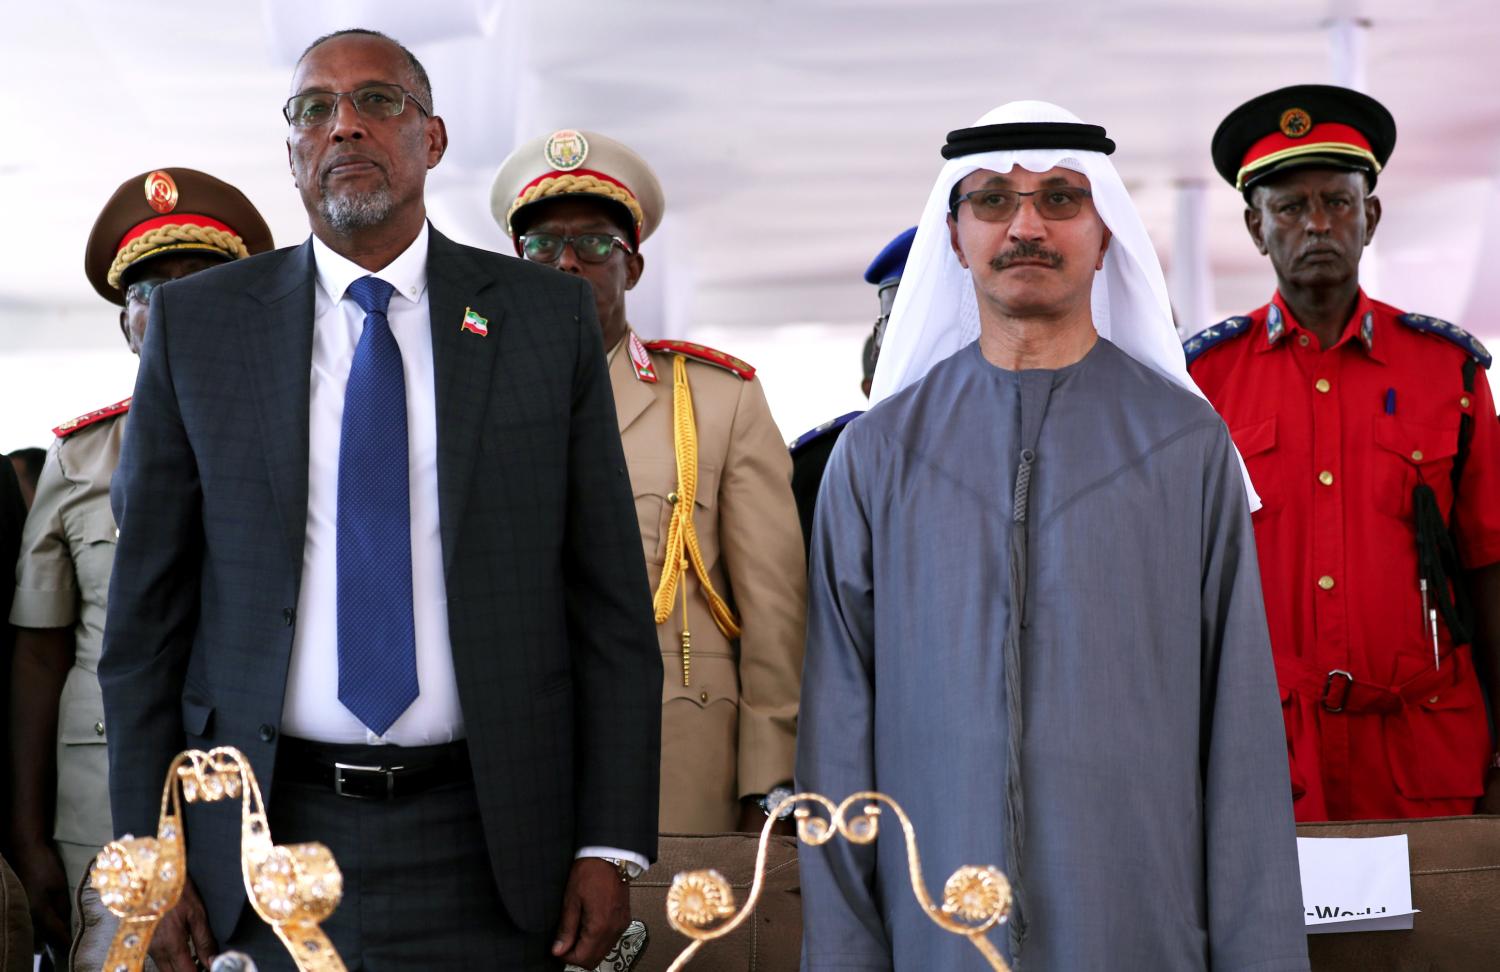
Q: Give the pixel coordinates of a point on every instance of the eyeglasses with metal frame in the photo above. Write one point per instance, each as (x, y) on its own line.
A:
(588, 247)
(996, 205)
(377, 102)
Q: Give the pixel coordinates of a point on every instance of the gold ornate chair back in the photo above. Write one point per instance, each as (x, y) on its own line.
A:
(292, 888)
(701, 904)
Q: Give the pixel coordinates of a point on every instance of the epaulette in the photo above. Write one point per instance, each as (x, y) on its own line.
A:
(1452, 332)
(1213, 336)
(97, 415)
(812, 435)
(700, 353)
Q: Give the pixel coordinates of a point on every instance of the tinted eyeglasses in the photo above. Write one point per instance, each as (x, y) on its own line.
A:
(589, 247)
(373, 101)
(1001, 205)
(140, 291)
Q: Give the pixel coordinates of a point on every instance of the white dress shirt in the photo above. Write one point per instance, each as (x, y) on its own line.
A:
(312, 709)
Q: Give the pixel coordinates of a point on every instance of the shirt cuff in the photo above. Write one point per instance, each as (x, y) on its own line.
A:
(44, 609)
(634, 863)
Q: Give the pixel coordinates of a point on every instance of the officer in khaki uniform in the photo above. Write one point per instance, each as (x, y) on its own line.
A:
(158, 226)
(712, 482)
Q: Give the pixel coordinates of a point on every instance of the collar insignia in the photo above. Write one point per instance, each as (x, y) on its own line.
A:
(1275, 326)
(640, 360)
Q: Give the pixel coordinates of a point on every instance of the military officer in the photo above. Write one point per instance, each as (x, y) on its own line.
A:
(158, 226)
(1370, 435)
(810, 450)
(712, 488)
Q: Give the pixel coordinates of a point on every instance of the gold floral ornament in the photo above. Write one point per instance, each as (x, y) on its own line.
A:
(977, 895)
(293, 888)
(699, 899)
(701, 905)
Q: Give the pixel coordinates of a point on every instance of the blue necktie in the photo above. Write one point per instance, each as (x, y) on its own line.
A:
(377, 636)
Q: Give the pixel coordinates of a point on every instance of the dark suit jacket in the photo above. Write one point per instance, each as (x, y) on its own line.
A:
(548, 608)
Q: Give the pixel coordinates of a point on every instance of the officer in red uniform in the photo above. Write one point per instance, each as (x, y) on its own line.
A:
(1371, 437)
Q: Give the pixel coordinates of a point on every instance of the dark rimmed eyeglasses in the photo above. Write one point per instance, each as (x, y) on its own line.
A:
(1001, 205)
(589, 247)
(377, 102)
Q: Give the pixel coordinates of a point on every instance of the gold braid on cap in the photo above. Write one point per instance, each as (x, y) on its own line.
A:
(569, 184)
(682, 538)
(162, 236)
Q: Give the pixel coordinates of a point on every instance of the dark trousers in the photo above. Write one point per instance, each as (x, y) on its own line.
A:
(418, 891)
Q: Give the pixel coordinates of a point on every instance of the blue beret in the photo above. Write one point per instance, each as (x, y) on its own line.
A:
(892, 260)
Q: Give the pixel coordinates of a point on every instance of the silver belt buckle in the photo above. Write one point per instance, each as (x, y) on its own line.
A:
(340, 780)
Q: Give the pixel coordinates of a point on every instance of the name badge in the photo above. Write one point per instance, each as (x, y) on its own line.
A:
(1355, 884)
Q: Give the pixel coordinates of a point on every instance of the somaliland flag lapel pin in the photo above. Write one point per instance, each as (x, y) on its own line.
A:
(473, 322)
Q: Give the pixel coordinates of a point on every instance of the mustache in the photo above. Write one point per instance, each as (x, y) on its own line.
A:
(1323, 246)
(343, 157)
(1028, 250)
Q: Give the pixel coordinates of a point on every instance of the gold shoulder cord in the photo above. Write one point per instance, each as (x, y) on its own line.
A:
(682, 538)
(292, 887)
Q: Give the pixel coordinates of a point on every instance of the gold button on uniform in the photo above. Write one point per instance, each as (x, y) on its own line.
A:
(1322, 385)
(703, 697)
(1303, 340)
(1325, 582)
(672, 498)
(1326, 478)
(1464, 401)
(1416, 455)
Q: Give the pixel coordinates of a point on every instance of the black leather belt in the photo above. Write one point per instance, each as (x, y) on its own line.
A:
(373, 772)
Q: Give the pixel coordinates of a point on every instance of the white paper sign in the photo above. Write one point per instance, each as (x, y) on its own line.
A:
(1354, 884)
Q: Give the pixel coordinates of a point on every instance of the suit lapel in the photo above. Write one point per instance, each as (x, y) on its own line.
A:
(463, 362)
(632, 396)
(279, 354)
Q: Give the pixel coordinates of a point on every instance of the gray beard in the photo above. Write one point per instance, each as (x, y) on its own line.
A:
(347, 213)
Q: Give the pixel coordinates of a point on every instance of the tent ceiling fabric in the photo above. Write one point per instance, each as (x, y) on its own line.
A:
(793, 138)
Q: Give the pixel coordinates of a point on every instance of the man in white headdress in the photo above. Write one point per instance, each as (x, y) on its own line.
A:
(1035, 616)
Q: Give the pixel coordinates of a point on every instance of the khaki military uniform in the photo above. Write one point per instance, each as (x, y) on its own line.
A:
(731, 731)
(62, 580)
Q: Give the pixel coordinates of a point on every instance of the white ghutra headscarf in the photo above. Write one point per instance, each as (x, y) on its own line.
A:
(937, 312)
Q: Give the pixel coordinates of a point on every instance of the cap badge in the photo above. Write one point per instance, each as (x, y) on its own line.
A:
(566, 150)
(1295, 123)
(161, 192)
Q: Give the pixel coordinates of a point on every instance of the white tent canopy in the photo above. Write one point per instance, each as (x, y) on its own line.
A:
(793, 139)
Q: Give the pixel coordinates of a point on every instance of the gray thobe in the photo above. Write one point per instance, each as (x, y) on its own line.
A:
(1149, 824)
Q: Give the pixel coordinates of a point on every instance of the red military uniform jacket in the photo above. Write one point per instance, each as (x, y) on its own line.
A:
(1335, 441)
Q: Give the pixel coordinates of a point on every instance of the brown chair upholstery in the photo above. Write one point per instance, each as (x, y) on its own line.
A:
(769, 941)
(1455, 885)
(15, 934)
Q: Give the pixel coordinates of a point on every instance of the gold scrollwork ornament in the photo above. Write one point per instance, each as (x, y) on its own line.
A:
(293, 888)
(701, 904)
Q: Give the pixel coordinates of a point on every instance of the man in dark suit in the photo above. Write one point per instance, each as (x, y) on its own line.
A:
(377, 532)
